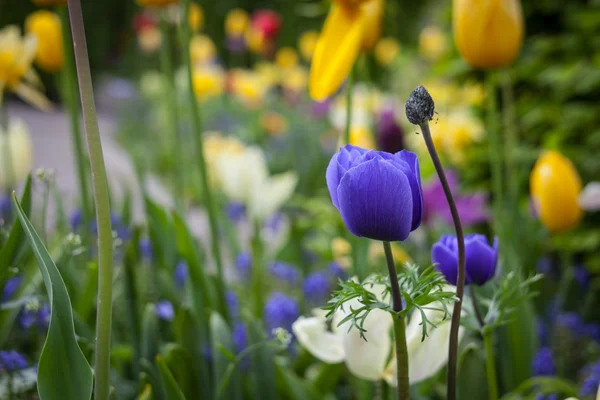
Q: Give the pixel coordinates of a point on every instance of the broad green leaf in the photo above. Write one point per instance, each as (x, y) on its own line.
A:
(293, 387)
(162, 234)
(149, 340)
(262, 373)
(172, 389)
(16, 239)
(221, 336)
(547, 385)
(472, 378)
(181, 364)
(63, 371)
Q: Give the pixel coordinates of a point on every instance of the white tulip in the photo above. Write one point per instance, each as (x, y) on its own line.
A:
(21, 151)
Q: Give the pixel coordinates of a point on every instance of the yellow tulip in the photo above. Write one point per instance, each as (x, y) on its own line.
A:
(21, 151)
(433, 44)
(149, 39)
(348, 29)
(386, 51)
(156, 3)
(555, 186)
(269, 73)
(286, 57)
(255, 40)
(195, 17)
(488, 34)
(16, 56)
(249, 87)
(362, 137)
(295, 79)
(307, 43)
(208, 81)
(46, 27)
(202, 50)
(236, 22)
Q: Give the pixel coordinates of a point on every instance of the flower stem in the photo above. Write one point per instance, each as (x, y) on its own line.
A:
(166, 63)
(511, 136)
(71, 96)
(476, 308)
(100, 188)
(6, 151)
(399, 327)
(460, 281)
(490, 364)
(494, 146)
(349, 88)
(206, 189)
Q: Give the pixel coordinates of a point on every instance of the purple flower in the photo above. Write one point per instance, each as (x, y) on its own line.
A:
(572, 322)
(235, 211)
(541, 396)
(181, 274)
(243, 264)
(164, 310)
(471, 208)
(39, 316)
(146, 250)
(390, 136)
(235, 44)
(5, 207)
(12, 361)
(481, 258)
(543, 332)
(284, 272)
(240, 337)
(232, 303)
(273, 223)
(76, 219)
(336, 271)
(582, 276)
(591, 373)
(280, 312)
(377, 193)
(317, 287)
(543, 363)
(320, 109)
(10, 288)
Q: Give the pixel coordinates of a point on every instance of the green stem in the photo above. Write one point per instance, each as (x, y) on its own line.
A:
(6, 151)
(494, 147)
(257, 286)
(166, 63)
(476, 308)
(206, 189)
(511, 136)
(490, 364)
(71, 95)
(349, 106)
(399, 327)
(100, 186)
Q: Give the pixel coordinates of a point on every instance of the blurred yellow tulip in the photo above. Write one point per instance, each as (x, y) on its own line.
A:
(149, 39)
(286, 57)
(208, 81)
(269, 73)
(433, 43)
(307, 43)
(296, 79)
(488, 34)
(20, 149)
(236, 22)
(386, 51)
(196, 17)
(555, 186)
(45, 25)
(249, 87)
(362, 137)
(255, 40)
(350, 26)
(156, 3)
(202, 50)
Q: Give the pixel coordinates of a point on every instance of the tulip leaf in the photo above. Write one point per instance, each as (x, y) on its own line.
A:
(294, 387)
(11, 250)
(262, 375)
(63, 371)
(162, 234)
(180, 362)
(472, 378)
(221, 337)
(172, 389)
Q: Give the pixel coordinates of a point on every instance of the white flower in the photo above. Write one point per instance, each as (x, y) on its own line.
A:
(589, 198)
(21, 152)
(367, 359)
(244, 177)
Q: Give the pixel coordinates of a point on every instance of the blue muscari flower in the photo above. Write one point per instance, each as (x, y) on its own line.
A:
(317, 287)
(591, 381)
(39, 316)
(243, 264)
(232, 303)
(76, 219)
(235, 211)
(12, 361)
(544, 266)
(582, 276)
(592, 330)
(541, 396)
(273, 223)
(5, 207)
(543, 363)
(543, 332)
(336, 271)
(284, 272)
(146, 249)
(280, 311)
(10, 288)
(572, 322)
(164, 310)
(240, 337)
(481, 258)
(181, 274)
(378, 194)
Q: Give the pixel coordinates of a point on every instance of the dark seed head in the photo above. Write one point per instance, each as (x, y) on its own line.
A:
(420, 106)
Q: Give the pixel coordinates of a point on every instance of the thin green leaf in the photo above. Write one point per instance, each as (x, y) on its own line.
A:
(16, 239)
(172, 389)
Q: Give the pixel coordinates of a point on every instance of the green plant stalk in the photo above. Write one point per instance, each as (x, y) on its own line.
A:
(100, 188)
(69, 81)
(206, 189)
(166, 63)
(257, 284)
(460, 281)
(490, 362)
(399, 327)
(349, 107)
(6, 150)
(511, 136)
(495, 148)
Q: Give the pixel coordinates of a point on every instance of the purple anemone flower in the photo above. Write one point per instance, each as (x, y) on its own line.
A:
(378, 194)
(481, 258)
(390, 136)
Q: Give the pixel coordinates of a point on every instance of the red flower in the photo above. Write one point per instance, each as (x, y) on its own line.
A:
(268, 22)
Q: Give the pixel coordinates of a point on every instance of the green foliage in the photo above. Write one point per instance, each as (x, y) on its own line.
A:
(63, 371)
(15, 243)
(472, 373)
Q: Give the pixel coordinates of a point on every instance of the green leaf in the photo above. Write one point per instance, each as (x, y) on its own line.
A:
(547, 385)
(149, 340)
(11, 250)
(181, 364)
(162, 234)
(221, 336)
(63, 371)
(472, 378)
(262, 375)
(294, 387)
(172, 389)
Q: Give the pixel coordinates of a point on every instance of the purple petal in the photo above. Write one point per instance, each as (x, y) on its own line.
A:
(415, 183)
(481, 259)
(375, 200)
(446, 260)
(333, 179)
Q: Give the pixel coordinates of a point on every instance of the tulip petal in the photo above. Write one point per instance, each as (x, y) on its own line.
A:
(375, 201)
(333, 178)
(336, 50)
(446, 261)
(312, 334)
(413, 163)
(270, 195)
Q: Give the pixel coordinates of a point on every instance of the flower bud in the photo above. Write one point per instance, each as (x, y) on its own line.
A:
(420, 106)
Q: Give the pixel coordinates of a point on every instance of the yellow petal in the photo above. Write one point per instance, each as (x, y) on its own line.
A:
(32, 96)
(373, 11)
(336, 50)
